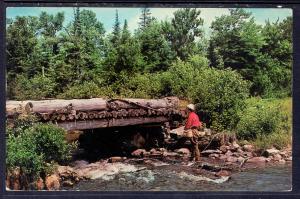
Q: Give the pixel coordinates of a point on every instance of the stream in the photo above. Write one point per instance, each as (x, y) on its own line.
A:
(172, 178)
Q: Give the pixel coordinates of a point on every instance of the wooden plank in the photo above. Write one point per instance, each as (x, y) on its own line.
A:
(103, 123)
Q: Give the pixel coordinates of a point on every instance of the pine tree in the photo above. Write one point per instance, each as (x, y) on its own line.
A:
(77, 23)
(145, 18)
(116, 31)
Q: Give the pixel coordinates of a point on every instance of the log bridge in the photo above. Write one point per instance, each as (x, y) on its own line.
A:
(81, 114)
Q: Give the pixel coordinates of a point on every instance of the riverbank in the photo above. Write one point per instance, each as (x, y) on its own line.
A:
(216, 167)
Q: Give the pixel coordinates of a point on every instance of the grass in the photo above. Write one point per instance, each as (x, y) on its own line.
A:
(282, 138)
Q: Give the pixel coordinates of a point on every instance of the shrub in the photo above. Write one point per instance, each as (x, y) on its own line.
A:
(36, 148)
(36, 88)
(262, 120)
(21, 153)
(179, 80)
(142, 86)
(219, 95)
(50, 141)
(87, 89)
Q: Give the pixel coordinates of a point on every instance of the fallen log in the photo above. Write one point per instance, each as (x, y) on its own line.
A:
(104, 123)
(94, 104)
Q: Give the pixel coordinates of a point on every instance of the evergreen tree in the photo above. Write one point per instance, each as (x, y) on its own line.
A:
(145, 18)
(184, 28)
(116, 33)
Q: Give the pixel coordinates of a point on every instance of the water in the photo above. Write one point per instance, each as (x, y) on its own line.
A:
(172, 178)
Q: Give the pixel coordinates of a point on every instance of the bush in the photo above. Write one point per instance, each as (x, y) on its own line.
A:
(50, 141)
(142, 86)
(262, 120)
(219, 96)
(87, 89)
(21, 153)
(36, 88)
(35, 149)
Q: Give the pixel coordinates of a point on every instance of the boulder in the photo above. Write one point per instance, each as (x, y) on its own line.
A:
(235, 145)
(52, 182)
(153, 151)
(39, 184)
(223, 148)
(231, 159)
(270, 152)
(277, 157)
(211, 151)
(248, 148)
(183, 151)
(228, 153)
(240, 159)
(223, 157)
(282, 161)
(116, 159)
(289, 159)
(138, 152)
(223, 173)
(67, 183)
(214, 155)
(257, 160)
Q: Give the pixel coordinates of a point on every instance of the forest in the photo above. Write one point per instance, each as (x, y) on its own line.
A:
(240, 60)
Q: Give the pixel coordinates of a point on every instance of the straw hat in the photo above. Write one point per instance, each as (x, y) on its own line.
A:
(191, 107)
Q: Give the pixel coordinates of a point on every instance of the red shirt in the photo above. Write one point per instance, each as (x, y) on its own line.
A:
(192, 121)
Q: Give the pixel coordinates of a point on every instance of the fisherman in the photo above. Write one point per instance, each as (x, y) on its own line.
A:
(191, 132)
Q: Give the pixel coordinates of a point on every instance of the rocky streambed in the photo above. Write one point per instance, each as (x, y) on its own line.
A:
(162, 169)
(157, 169)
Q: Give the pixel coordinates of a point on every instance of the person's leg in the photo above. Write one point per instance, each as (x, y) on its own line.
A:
(197, 152)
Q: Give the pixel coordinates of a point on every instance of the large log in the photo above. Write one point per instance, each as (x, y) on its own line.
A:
(94, 104)
(13, 107)
(103, 123)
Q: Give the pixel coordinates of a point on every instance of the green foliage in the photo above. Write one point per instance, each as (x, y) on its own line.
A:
(86, 90)
(38, 87)
(183, 30)
(220, 95)
(50, 141)
(35, 148)
(142, 86)
(261, 119)
(21, 153)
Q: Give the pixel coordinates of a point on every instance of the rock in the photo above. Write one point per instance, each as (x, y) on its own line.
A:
(138, 152)
(223, 157)
(235, 145)
(39, 184)
(79, 163)
(207, 152)
(257, 160)
(248, 154)
(270, 152)
(239, 150)
(228, 153)
(52, 182)
(277, 157)
(153, 151)
(15, 180)
(116, 159)
(223, 173)
(268, 159)
(289, 159)
(68, 183)
(161, 149)
(183, 151)
(232, 159)
(240, 159)
(248, 148)
(282, 161)
(214, 155)
(223, 148)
